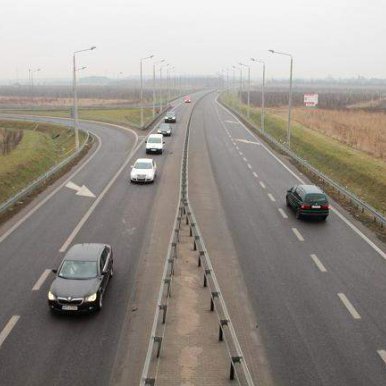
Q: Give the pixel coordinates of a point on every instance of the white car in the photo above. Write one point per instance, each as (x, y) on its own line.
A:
(144, 170)
(155, 143)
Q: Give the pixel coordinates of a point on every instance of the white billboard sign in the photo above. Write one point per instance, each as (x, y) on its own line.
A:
(311, 100)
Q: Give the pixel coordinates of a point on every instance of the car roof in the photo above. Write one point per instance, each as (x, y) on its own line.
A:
(144, 160)
(85, 252)
(311, 189)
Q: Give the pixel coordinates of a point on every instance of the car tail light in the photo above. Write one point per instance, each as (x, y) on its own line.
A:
(305, 206)
(325, 206)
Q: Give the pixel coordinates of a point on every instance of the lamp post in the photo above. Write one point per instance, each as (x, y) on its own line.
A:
(262, 93)
(75, 96)
(154, 94)
(168, 81)
(249, 86)
(31, 79)
(241, 80)
(289, 97)
(141, 95)
(160, 79)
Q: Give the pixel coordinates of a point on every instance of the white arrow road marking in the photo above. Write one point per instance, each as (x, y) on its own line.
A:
(80, 190)
(246, 141)
(8, 328)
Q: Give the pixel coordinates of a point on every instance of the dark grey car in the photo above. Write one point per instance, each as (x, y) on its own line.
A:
(82, 278)
(165, 129)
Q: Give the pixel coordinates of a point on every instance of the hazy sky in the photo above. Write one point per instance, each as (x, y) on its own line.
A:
(342, 38)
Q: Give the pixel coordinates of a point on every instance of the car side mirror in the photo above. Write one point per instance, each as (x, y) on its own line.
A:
(54, 271)
(163, 142)
(145, 141)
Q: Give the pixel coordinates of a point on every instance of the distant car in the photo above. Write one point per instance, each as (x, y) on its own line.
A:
(308, 201)
(82, 278)
(187, 99)
(144, 170)
(170, 117)
(155, 143)
(165, 129)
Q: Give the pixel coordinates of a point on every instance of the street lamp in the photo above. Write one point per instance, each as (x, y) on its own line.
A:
(249, 85)
(31, 79)
(160, 80)
(75, 96)
(262, 93)
(154, 95)
(141, 95)
(289, 97)
(241, 79)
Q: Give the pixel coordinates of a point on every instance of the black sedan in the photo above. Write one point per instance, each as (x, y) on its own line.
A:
(170, 117)
(165, 129)
(81, 278)
(308, 201)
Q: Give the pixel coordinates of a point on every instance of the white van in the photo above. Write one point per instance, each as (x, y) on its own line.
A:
(155, 143)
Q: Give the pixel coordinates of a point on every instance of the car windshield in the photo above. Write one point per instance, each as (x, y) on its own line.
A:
(75, 269)
(316, 197)
(154, 140)
(142, 165)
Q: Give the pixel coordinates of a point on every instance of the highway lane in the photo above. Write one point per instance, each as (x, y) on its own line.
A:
(317, 289)
(45, 349)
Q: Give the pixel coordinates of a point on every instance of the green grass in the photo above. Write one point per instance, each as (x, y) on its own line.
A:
(361, 173)
(42, 146)
(126, 117)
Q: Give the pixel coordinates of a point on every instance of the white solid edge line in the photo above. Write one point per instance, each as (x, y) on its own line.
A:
(255, 174)
(343, 218)
(8, 328)
(41, 280)
(382, 354)
(284, 214)
(79, 226)
(318, 263)
(262, 184)
(354, 313)
(271, 197)
(297, 234)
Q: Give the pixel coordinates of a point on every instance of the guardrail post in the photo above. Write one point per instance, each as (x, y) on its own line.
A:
(164, 308)
(235, 359)
(171, 262)
(192, 225)
(196, 238)
(177, 234)
(174, 247)
(207, 272)
(168, 282)
(214, 294)
(158, 339)
(150, 381)
(223, 322)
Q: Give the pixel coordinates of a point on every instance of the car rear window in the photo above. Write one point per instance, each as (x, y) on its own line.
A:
(316, 197)
(143, 165)
(154, 140)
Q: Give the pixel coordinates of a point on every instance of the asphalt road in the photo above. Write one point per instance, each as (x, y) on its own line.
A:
(317, 289)
(42, 348)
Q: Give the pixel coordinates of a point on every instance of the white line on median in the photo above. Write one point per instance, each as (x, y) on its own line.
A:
(349, 306)
(262, 184)
(284, 214)
(255, 174)
(382, 354)
(318, 263)
(8, 328)
(271, 197)
(298, 234)
(41, 280)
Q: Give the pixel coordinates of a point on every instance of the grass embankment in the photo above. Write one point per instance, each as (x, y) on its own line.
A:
(43, 145)
(126, 117)
(361, 173)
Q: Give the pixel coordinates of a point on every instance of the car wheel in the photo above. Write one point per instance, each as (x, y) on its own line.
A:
(287, 202)
(100, 302)
(297, 214)
(324, 218)
(112, 272)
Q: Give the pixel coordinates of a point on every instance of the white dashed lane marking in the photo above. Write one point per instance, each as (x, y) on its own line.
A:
(298, 234)
(318, 263)
(8, 328)
(354, 313)
(249, 166)
(262, 184)
(255, 174)
(382, 354)
(284, 214)
(272, 198)
(41, 280)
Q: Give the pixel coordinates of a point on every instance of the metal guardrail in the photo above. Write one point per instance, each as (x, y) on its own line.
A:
(42, 179)
(355, 200)
(238, 367)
